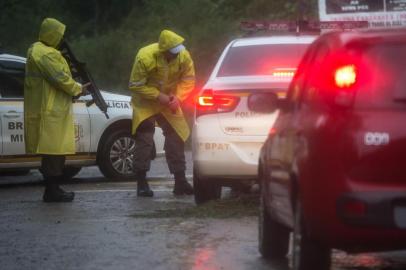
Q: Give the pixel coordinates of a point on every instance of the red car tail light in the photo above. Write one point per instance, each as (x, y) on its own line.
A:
(209, 102)
(206, 101)
(345, 76)
(342, 74)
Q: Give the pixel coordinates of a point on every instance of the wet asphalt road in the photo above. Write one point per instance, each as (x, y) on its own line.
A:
(108, 227)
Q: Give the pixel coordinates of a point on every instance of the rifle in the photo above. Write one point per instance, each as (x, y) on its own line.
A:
(81, 74)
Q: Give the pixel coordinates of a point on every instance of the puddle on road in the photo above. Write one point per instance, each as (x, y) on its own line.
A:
(225, 208)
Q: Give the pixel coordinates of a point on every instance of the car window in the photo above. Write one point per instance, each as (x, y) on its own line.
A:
(315, 70)
(11, 85)
(260, 59)
(11, 65)
(384, 66)
(302, 73)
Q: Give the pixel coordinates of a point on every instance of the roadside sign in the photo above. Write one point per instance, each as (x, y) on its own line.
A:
(379, 13)
(300, 26)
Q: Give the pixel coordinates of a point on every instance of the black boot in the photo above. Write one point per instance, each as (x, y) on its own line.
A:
(53, 193)
(143, 189)
(182, 187)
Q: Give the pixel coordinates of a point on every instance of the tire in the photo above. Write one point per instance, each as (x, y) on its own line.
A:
(116, 155)
(70, 172)
(273, 237)
(307, 253)
(204, 189)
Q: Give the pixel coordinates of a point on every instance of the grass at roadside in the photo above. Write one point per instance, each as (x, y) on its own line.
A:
(225, 208)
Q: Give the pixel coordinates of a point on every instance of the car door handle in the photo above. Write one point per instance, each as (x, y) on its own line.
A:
(12, 114)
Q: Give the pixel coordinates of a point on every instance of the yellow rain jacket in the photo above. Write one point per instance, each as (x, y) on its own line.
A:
(152, 74)
(48, 91)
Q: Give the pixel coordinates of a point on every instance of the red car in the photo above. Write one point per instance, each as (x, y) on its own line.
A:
(333, 169)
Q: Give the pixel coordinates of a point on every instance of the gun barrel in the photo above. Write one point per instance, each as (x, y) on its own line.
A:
(79, 69)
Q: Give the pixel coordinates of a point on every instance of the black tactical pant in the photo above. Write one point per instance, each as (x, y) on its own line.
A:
(144, 142)
(52, 165)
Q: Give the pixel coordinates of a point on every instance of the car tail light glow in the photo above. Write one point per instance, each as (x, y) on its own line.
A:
(208, 102)
(205, 101)
(345, 76)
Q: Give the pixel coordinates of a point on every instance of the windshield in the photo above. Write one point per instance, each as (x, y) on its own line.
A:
(261, 59)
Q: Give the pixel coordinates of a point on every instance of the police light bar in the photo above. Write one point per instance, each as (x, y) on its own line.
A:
(298, 26)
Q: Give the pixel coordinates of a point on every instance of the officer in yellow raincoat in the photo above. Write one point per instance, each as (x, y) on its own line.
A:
(162, 77)
(48, 120)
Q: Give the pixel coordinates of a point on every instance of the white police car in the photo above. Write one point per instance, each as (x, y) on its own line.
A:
(99, 141)
(227, 135)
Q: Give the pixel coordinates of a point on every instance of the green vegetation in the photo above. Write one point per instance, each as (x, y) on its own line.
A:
(106, 34)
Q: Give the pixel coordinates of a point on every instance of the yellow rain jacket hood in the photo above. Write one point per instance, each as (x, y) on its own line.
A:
(48, 91)
(51, 32)
(168, 40)
(152, 74)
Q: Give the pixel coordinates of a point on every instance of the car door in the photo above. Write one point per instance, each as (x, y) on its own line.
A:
(283, 148)
(11, 108)
(310, 117)
(82, 127)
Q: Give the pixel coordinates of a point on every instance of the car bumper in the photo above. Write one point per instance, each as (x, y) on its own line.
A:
(377, 209)
(221, 155)
(360, 220)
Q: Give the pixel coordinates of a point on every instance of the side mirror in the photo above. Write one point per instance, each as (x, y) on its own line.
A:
(263, 102)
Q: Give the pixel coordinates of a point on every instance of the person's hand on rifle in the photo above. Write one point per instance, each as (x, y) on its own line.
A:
(84, 89)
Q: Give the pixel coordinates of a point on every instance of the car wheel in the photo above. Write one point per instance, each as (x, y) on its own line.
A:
(307, 254)
(116, 156)
(70, 172)
(273, 237)
(204, 189)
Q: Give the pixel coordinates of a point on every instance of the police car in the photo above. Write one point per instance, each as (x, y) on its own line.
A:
(99, 141)
(227, 135)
